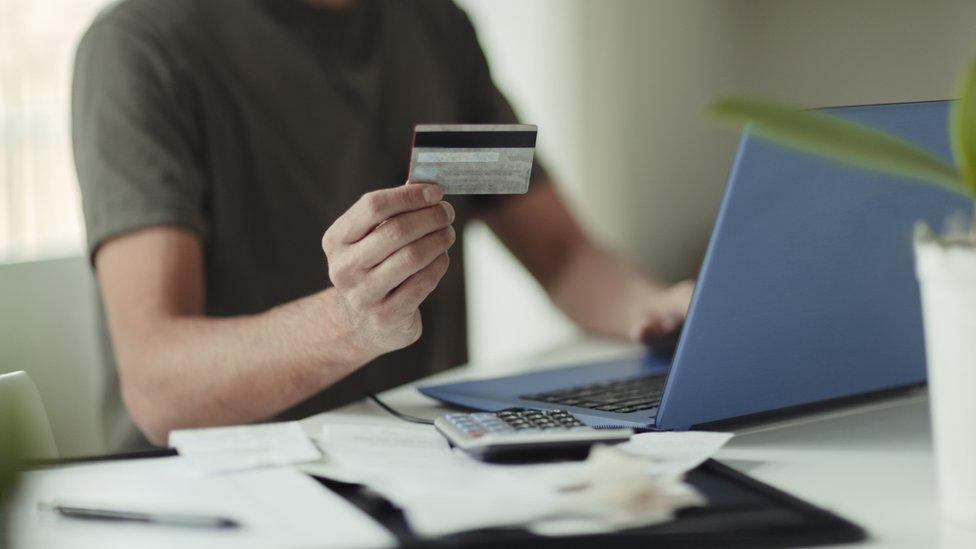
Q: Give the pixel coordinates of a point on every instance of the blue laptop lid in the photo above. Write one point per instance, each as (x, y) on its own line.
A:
(807, 291)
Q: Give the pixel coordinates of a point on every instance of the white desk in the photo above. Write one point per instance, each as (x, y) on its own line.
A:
(871, 464)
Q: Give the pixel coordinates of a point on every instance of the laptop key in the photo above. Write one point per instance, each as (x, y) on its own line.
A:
(621, 395)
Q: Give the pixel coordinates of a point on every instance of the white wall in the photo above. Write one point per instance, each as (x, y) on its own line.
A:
(617, 88)
(655, 169)
(534, 54)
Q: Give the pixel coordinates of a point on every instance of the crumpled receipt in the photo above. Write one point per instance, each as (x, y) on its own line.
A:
(618, 489)
(443, 491)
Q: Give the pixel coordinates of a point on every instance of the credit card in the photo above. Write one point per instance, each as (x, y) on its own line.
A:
(474, 158)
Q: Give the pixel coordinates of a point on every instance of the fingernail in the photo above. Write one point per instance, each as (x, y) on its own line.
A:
(450, 211)
(433, 194)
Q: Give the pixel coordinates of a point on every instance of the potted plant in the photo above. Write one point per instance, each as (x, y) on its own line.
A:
(945, 263)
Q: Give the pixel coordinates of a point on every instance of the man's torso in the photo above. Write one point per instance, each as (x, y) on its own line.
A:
(295, 114)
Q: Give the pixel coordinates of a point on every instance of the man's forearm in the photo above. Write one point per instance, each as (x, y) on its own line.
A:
(195, 371)
(180, 368)
(598, 289)
(601, 291)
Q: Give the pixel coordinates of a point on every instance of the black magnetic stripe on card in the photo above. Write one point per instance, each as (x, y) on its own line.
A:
(475, 140)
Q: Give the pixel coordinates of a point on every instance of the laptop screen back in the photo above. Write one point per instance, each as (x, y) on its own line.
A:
(808, 291)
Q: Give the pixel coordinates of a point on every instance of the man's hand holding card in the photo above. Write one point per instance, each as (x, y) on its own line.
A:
(497, 159)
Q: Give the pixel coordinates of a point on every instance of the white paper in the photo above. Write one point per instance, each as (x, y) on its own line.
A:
(356, 451)
(440, 490)
(223, 449)
(443, 491)
(276, 507)
(674, 452)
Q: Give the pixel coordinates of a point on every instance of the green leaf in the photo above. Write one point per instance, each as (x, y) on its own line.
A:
(963, 128)
(839, 139)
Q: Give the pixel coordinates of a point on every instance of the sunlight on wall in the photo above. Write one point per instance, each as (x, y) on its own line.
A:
(40, 213)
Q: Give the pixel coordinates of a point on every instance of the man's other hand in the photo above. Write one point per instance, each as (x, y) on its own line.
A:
(386, 254)
(663, 316)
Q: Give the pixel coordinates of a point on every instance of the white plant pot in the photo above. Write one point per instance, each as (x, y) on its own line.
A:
(946, 271)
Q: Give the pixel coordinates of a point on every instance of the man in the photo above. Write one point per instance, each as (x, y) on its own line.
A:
(258, 256)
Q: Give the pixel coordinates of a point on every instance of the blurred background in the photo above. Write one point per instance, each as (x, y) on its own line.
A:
(616, 87)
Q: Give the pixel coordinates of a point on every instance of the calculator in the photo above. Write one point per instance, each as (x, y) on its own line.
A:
(522, 434)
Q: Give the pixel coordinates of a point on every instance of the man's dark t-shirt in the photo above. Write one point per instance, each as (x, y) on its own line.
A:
(255, 124)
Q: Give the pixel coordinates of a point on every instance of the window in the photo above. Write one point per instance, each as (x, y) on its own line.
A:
(40, 212)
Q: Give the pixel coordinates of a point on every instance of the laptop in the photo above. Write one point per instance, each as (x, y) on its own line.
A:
(806, 294)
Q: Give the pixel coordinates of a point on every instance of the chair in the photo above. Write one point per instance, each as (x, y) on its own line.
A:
(49, 329)
(20, 396)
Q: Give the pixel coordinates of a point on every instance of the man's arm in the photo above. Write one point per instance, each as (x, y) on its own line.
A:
(179, 368)
(598, 289)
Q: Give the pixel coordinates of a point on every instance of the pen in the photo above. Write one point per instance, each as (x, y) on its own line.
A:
(168, 519)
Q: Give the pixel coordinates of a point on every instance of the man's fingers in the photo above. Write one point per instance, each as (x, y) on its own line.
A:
(401, 230)
(669, 323)
(661, 332)
(415, 289)
(378, 206)
(408, 260)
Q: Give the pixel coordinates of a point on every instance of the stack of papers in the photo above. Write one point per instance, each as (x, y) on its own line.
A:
(442, 491)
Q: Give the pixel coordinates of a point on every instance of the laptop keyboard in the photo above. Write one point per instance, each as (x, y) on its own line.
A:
(632, 394)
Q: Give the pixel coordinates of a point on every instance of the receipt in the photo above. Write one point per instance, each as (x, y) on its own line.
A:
(673, 452)
(224, 449)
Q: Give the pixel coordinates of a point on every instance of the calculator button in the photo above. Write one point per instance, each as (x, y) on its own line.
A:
(519, 420)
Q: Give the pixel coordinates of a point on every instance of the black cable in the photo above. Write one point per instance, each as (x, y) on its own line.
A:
(404, 417)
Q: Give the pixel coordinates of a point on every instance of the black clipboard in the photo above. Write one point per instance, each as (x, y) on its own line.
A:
(741, 512)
